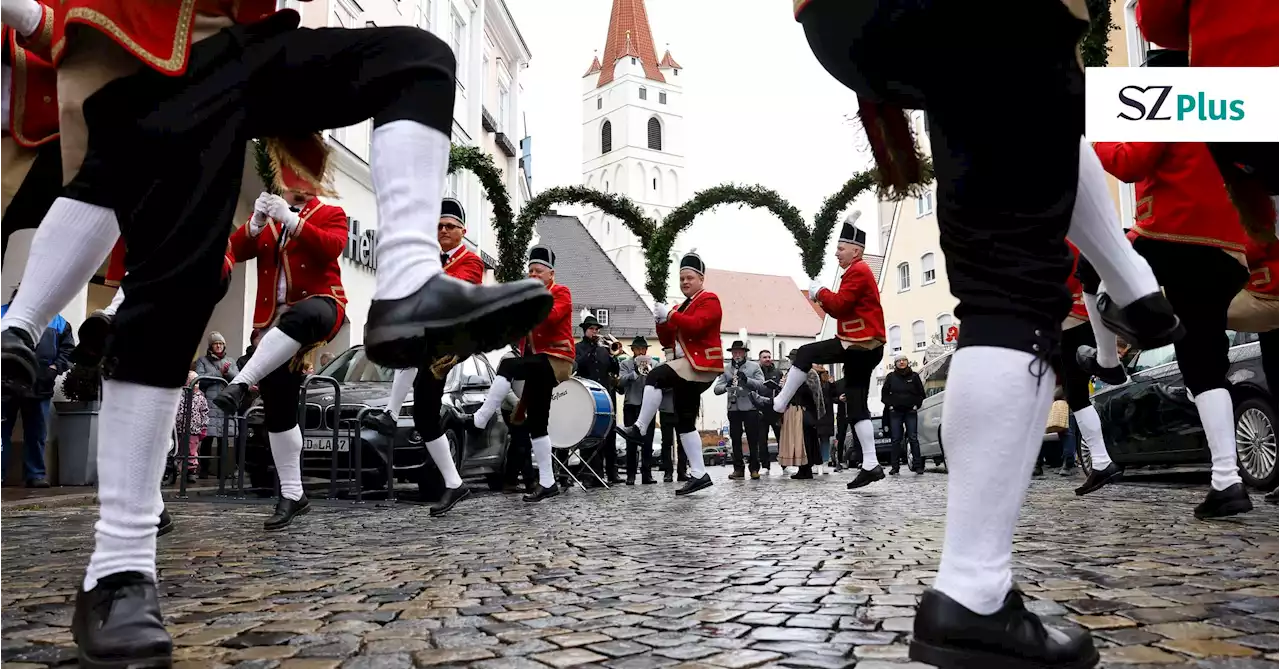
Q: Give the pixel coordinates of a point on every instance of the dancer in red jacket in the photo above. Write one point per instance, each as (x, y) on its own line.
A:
(546, 359)
(690, 334)
(858, 344)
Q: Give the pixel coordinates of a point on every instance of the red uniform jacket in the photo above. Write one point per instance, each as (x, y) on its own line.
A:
(33, 108)
(1180, 193)
(157, 32)
(1238, 33)
(465, 265)
(309, 259)
(695, 325)
(1263, 272)
(1078, 311)
(856, 305)
(554, 335)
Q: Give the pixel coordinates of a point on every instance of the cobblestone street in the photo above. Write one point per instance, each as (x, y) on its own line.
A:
(768, 573)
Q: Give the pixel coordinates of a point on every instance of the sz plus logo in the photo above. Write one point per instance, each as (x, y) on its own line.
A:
(1161, 103)
(1194, 104)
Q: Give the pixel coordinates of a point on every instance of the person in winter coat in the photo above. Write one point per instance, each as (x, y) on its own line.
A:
(902, 394)
(826, 426)
(52, 353)
(215, 362)
(196, 432)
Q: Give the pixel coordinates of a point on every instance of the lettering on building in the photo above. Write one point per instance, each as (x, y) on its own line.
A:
(360, 245)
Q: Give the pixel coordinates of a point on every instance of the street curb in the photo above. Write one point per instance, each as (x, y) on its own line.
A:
(80, 499)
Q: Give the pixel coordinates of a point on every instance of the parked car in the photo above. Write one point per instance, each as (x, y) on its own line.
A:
(884, 445)
(716, 456)
(1152, 420)
(367, 385)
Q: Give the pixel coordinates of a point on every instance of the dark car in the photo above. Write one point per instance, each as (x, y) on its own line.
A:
(884, 445)
(365, 385)
(1151, 419)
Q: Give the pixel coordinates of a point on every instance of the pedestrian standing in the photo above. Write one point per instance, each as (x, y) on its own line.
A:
(902, 394)
(670, 451)
(188, 446)
(742, 376)
(52, 353)
(768, 419)
(594, 360)
(632, 374)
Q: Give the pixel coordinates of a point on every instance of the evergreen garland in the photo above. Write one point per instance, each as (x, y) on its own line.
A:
(1094, 49)
(481, 164)
(266, 169)
(512, 248)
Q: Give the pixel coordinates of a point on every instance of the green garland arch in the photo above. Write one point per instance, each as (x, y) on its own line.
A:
(1094, 47)
(481, 164)
(512, 251)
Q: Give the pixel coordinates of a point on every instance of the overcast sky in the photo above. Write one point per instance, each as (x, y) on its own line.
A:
(758, 109)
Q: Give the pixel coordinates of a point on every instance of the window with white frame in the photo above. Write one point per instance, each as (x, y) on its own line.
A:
(599, 102)
(602, 315)
(928, 274)
(451, 185)
(944, 321)
(422, 14)
(458, 41)
(924, 204)
(662, 97)
(345, 14)
(904, 276)
(895, 339)
(644, 93)
(919, 336)
(504, 100)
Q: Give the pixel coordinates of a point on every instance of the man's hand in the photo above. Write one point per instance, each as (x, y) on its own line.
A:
(279, 210)
(814, 287)
(660, 312)
(842, 399)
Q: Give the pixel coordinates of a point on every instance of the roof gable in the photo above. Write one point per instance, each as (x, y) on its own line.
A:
(762, 303)
(584, 267)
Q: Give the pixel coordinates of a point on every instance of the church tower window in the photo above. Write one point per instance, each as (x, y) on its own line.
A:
(606, 137)
(655, 134)
(644, 93)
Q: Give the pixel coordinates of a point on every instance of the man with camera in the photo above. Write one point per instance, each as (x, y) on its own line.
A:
(595, 359)
(772, 384)
(631, 380)
(740, 377)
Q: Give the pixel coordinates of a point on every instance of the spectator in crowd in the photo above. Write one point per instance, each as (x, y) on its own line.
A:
(739, 378)
(594, 360)
(841, 451)
(827, 421)
(325, 359)
(53, 353)
(308, 368)
(902, 395)
(254, 338)
(798, 446)
(519, 464)
(768, 419)
(214, 363)
(631, 379)
(667, 424)
(196, 432)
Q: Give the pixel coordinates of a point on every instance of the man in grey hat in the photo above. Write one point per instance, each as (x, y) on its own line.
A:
(740, 377)
(632, 374)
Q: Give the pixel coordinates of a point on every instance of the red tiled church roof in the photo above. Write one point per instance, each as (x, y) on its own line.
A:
(595, 66)
(668, 61)
(629, 36)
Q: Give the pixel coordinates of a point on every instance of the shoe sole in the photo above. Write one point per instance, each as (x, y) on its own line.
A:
(440, 511)
(853, 485)
(301, 512)
(702, 485)
(165, 529)
(150, 662)
(1114, 478)
(945, 657)
(1157, 340)
(489, 327)
(1233, 508)
(539, 499)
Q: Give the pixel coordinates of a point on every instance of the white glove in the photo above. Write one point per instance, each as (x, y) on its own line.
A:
(259, 219)
(660, 312)
(814, 287)
(22, 15)
(278, 209)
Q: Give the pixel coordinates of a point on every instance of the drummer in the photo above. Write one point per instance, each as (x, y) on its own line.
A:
(546, 360)
(690, 335)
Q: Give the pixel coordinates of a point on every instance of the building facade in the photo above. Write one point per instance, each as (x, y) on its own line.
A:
(632, 133)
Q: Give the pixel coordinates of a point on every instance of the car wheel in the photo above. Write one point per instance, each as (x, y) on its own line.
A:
(1256, 443)
(1084, 457)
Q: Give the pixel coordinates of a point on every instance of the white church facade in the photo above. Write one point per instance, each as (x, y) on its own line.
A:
(632, 133)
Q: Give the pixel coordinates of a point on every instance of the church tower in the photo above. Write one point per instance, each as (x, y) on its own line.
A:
(632, 133)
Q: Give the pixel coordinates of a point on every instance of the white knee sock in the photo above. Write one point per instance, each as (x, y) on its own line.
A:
(1096, 230)
(276, 348)
(400, 387)
(497, 391)
(542, 455)
(649, 405)
(71, 243)
(1217, 415)
(286, 452)
(134, 426)
(795, 379)
(993, 425)
(439, 450)
(116, 301)
(867, 440)
(1090, 425)
(1108, 356)
(408, 162)
(691, 442)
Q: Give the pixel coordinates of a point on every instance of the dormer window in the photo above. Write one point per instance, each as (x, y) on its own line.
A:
(633, 61)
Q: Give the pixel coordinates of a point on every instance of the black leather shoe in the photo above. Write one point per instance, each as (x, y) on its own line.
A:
(893, 471)
(802, 473)
(451, 497)
(165, 525)
(631, 480)
(1087, 360)
(382, 423)
(1097, 479)
(694, 485)
(630, 433)
(286, 511)
(449, 316)
(1148, 322)
(118, 625)
(648, 480)
(866, 477)
(949, 636)
(91, 339)
(233, 400)
(666, 478)
(681, 478)
(541, 493)
(1223, 503)
(1038, 471)
(17, 363)
(38, 483)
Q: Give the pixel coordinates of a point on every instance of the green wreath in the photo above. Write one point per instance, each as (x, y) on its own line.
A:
(481, 164)
(512, 250)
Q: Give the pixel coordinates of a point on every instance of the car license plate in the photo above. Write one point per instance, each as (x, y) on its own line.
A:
(324, 444)
(883, 441)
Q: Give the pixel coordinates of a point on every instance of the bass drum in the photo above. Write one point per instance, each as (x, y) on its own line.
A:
(581, 414)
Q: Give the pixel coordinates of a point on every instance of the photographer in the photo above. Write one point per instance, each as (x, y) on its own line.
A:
(594, 358)
(631, 382)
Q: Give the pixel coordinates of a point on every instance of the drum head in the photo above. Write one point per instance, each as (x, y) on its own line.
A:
(573, 412)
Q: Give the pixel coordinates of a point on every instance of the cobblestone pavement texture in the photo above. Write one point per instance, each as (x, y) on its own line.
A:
(752, 573)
